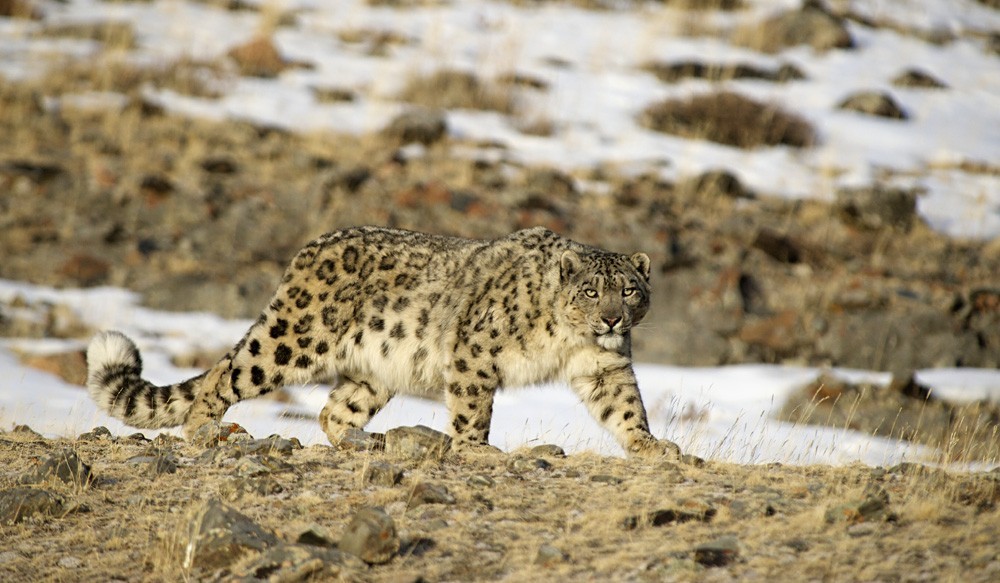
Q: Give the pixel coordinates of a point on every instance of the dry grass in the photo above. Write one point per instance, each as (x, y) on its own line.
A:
(451, 89)
(184, 76)
(731, 119)
(644, 527)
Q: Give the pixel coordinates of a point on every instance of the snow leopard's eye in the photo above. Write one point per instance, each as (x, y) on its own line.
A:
(590, 292)
(628, 292)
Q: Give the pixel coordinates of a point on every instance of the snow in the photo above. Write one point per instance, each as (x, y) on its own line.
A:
(592, 62)
(723, 413)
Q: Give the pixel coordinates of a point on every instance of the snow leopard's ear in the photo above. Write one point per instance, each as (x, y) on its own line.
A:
(641, 263)
(570, 265)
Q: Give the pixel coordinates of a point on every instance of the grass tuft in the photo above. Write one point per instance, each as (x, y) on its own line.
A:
(731, 119)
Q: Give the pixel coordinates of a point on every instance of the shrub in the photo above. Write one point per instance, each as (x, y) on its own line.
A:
(729, 118)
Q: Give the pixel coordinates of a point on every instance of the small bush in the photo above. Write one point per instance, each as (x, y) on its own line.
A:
(729, 118)
(450, 89)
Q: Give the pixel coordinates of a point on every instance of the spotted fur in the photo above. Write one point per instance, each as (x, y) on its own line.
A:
(392, 311)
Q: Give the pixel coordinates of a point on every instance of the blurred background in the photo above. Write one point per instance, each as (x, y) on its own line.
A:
(817, 183)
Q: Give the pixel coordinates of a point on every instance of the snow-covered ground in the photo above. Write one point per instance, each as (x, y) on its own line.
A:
(591, 61)
(718, 413)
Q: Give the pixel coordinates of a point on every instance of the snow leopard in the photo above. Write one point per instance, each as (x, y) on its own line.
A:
(388, 311)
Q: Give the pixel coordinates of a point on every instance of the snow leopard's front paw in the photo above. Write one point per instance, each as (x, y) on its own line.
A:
(652, 448)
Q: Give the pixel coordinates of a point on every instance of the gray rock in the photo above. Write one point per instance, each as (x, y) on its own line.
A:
(213, 433)
(220, 535)
(19, 504)
(718, 552)
(156, 464)
(606, 479)
(549, 555)
(548, 450)
(360, 440)
(256, 465)
(70, 562)
(427, 493)
(297, 562)
(690, 511)
(480, 481)
(418, 442)
(263, 485)
(272, 445)
(876, 207)
(63, 465)
(874, 507)
(95, 434)
(874, 103)
(371, 536)
(521, 465)
(382, 473)
(424, 126)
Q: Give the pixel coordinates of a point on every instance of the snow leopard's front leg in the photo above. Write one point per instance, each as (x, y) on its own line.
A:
(606, 383)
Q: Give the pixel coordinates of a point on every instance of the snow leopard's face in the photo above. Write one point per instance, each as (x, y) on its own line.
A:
(605, 295)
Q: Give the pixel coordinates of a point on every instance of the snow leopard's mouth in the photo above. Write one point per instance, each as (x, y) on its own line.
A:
(610, 340)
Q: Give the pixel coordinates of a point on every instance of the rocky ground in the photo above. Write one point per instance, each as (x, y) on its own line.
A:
(107, 508)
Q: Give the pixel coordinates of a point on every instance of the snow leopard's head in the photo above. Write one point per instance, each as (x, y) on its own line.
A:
(604, 294)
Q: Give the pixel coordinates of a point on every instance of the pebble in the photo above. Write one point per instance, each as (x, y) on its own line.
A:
(382, 473)
(548, 450)
(70, 562)
(718, 552)
(95, 434)
(549, 555)
(521, 465)
(371, 536)
(427, 493)
(481, 481)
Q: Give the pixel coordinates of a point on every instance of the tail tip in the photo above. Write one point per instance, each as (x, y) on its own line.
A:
(111, 347)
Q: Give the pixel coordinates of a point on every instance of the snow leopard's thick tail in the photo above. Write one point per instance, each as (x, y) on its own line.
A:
(114, 380)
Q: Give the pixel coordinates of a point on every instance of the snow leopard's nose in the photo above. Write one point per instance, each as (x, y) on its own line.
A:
(612, 321)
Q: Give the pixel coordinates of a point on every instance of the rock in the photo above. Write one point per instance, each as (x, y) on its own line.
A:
(687, 511)
(876, 207)
(383, 473)
(316, 536)
(257, 465)
(426, 493)
(219, 535)
(25, 433)
(157, 463)
(781, 248)
(371, 536)
(274, 444)
(522, 465)
(713, 184)
(481, 481)
(70, 562)
(19, 504)
(717, 553)
(775, 336)
(548, 450)
(874, 103)
(263, 485)
(606, 479)
(418, 442)
(69, 366)
(214, 433)
(96, 434)
(360, 440)
(424, 126)
(692, 460)
(64, 465)
(259, 58)
(812, 25)
(549, 555)
(917, 79)
(297, 562)
(874, 507)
